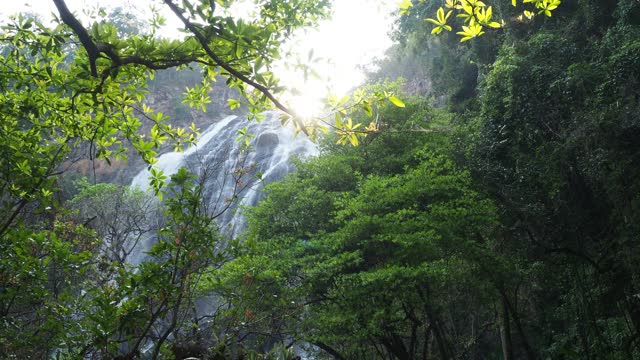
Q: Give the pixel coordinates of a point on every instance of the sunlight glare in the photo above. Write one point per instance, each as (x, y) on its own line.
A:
(354, 37)
(307, 106)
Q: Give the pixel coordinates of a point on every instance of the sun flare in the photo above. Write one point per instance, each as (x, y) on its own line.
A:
(307, 106)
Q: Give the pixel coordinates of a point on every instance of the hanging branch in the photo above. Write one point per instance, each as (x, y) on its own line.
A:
(223, 64)
(95, 49)
(68, 18)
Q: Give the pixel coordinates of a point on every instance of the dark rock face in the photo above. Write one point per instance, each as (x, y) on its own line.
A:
(267, 140)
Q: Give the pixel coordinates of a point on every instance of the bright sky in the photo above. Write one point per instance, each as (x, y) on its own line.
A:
(356, 34)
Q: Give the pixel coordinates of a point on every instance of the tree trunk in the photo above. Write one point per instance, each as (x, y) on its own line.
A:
(433, 322)
(505, 331)
(440, 341)
(516, 320)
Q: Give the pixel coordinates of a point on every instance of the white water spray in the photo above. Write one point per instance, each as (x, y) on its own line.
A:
(217, 154)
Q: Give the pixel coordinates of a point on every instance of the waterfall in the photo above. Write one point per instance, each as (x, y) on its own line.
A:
(170, 162)
(223, 168)
(217, 158)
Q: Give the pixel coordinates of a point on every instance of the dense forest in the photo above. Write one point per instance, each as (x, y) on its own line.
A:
(475, 199)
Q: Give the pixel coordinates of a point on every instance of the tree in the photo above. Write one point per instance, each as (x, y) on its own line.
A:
(68, 85)
(561, 196)
(477, 16)
(363, 259)
(365, 263)
(130, 311)
(544, 138)
(119, 215)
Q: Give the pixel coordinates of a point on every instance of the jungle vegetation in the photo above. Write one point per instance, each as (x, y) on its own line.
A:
(477, 199)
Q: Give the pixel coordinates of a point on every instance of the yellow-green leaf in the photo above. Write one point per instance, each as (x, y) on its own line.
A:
(397, 102)
(433, 21)
(405, 4)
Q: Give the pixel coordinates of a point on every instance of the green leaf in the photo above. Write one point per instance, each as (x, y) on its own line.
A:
(404, 6)
(367, 109)
(433, 21)
(397, 102)
(338, 123)
(233, 104)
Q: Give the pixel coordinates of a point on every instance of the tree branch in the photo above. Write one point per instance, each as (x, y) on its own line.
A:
(329, 350)
(223, 64)
(94, 50)
(68, 18)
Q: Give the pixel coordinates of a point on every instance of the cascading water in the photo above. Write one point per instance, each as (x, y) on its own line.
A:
(225, 169)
